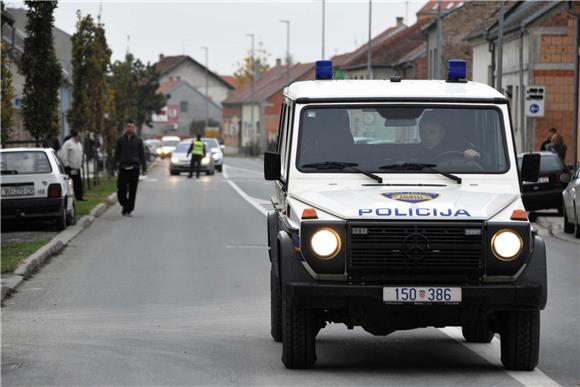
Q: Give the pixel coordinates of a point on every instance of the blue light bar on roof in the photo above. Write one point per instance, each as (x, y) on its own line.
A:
(323, 69)
(456, 70)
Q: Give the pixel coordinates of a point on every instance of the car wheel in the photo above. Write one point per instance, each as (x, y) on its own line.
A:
(568, 227)
(532, 216)
(219, 168)
(298, 337)
(275, 308)
(479, 332)
(71, 217)
(173, 173)
(520, 340)
(60, 220)
(576, 227)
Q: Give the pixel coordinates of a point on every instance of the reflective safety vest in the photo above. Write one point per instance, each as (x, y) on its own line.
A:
(197, 148)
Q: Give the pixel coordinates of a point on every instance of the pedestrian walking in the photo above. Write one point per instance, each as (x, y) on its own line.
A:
(548, 141)
(129, 155)
(197, 150)
(557, 146)
(71, 155)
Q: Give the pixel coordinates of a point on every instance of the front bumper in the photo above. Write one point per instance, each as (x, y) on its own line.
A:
(31, 208)
(179, 167)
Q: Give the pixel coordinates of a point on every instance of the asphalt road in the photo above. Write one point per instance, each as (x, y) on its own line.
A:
(178, 294)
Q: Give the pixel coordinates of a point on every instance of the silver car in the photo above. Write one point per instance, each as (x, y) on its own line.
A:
(181, 160)
(217, 154)
(571, 205)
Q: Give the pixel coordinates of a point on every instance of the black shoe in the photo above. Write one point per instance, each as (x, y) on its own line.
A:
(128, 214)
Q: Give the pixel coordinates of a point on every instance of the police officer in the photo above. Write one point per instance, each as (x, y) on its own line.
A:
(197, 150)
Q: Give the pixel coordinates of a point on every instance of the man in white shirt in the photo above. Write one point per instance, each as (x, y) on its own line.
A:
(72, 157)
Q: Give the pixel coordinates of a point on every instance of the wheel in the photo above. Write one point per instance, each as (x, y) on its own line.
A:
(71, 217)
(479, 332)
(60, 220)
(173, 173)
(520, 340)
(532, 216)
(275, 308)
(576, 227)
(568, 227)
(219, 168)
(298, 338)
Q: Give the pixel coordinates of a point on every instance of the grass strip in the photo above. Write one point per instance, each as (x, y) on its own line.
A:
(97, 194)
(14, 252)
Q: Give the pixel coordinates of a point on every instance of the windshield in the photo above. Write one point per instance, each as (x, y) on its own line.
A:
(170, 143)
(211, 143)
(382, 138)
(182, 148)
(20, 163)
(548, 163)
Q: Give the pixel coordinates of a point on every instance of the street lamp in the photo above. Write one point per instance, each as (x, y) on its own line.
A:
(287, 50)
(206, 87)
(253, 73)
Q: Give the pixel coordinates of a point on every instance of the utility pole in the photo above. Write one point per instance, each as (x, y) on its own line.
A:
(287, 50)
(499, 67)
(438, 56)
(253, 71)
(206, 87)
(369, 48)
(323, 28)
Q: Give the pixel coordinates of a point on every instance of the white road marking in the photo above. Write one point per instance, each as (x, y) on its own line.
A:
(246, 170)
(490, 352)
(256, 203)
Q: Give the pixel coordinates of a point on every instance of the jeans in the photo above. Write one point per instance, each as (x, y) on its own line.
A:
(127, 184)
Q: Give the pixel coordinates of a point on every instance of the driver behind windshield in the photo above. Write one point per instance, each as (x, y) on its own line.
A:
(436, 141)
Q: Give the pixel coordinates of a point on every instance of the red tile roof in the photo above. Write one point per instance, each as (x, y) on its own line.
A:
(268, 84)
(168, 62)
(430, 8)
(229, 79)
(361, 52)
(166, 86)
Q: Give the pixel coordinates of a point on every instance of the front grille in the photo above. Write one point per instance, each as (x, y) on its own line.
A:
(434, 250)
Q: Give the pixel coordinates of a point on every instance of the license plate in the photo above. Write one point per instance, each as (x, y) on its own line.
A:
(26, 190)
(422, 295)
(543, 179)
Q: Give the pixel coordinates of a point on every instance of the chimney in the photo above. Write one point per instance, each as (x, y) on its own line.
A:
(161, 56)
(399, 21)
(278, 67)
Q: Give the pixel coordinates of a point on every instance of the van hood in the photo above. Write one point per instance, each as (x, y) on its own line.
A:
(409, 202)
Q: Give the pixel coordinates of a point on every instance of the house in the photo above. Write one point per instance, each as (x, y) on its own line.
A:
(252, 119)
(185, 111)
(185, 68)
(457, 21)
(543, 35)
(14, 35)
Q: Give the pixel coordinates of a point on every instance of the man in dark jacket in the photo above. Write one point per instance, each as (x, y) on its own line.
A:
(129, 155)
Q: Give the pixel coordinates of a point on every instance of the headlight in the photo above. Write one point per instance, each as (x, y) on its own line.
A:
(216, 156)
(506, 244)
(325, 243)
(205, 160)
(174, 160)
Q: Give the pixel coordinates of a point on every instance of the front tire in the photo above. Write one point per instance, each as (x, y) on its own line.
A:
(568, 227)
(479, 332)
(173, 173)
(520, 340)
(71, 217)
(298, 338)
(219, 168)
(275, 308)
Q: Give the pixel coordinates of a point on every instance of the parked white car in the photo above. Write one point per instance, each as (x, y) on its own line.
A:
(571, 205)
(35, 185)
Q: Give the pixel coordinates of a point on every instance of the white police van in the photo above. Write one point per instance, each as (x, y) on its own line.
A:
(398, 206)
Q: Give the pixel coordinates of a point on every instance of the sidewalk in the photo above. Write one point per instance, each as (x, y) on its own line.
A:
(554, 226)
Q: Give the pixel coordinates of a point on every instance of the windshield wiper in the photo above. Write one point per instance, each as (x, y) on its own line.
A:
(342, 165)
(420, 167)
(9, 172)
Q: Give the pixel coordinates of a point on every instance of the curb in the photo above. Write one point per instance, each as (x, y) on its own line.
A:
(30, 265)
(555, 231)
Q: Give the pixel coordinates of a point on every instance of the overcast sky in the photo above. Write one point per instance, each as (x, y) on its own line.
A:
(174, 28)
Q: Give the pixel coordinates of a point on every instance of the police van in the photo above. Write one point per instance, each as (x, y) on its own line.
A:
(398, 206)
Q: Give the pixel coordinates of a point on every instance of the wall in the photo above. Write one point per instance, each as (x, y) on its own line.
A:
(195, 76)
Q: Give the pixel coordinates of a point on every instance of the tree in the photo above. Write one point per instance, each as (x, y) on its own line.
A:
(41, 71)
(244, 72)
(7, 98)
(148, 100)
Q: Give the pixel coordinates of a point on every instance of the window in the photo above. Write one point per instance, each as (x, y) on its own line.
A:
(23, 163)
(183, 106)
(376, 136)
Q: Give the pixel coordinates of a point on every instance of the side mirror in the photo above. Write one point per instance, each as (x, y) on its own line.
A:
(565, 177)
(530, 167)
(271, 166)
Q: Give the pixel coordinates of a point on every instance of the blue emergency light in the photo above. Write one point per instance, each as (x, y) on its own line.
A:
(323, 69)
(456, 70)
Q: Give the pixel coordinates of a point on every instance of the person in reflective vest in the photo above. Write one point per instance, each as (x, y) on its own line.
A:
(197, 150)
